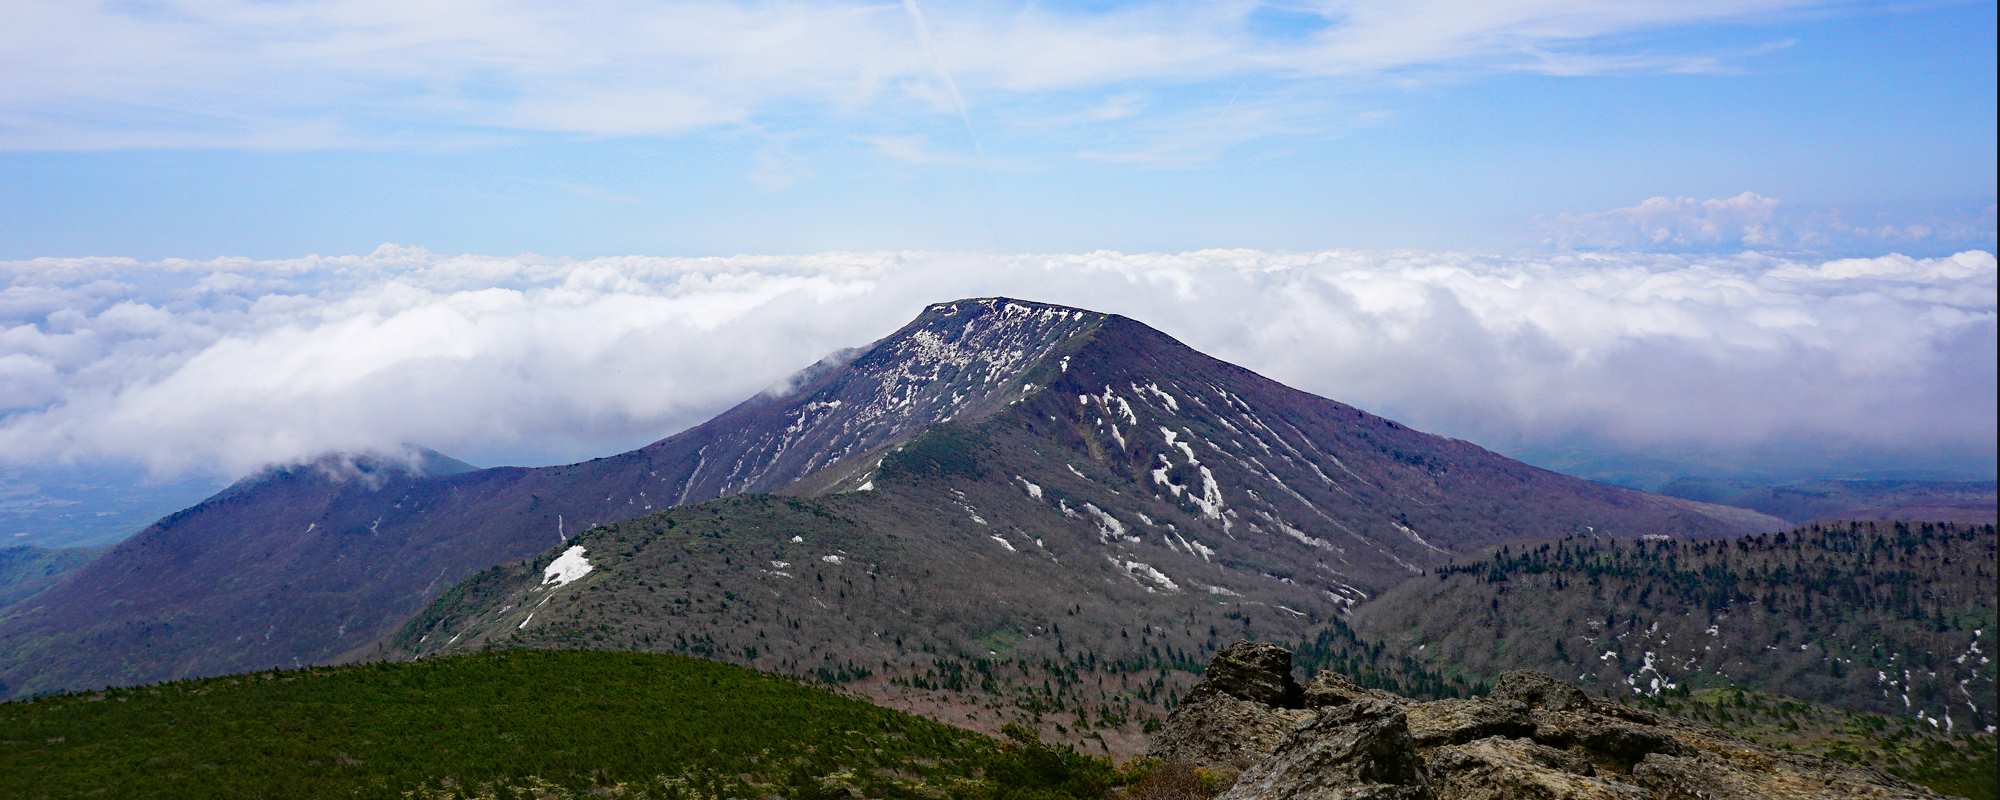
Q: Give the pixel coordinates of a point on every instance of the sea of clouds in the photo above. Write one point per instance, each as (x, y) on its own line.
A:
(222, 366)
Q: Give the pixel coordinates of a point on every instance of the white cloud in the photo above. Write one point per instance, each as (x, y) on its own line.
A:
(373, 73)
(917, 149)
(228, 364)
(1675, 222)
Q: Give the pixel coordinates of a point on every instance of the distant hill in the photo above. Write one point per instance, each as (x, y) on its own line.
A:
(1896, 619)
(1968, 502)
(26, 570)
(528, 724)
(1156, 468)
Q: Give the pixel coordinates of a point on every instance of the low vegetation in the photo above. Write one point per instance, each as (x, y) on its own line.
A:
(1962, 765)
(517, 724)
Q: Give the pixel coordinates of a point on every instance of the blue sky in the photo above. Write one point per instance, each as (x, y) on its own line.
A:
(155, 129)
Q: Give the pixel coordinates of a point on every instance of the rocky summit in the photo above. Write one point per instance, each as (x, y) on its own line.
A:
(1533, 736)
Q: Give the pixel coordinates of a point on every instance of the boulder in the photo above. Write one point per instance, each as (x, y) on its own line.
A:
(1223, 734)
(1330, 688)
(1357, 751)
(1609, 741)
(1538, 691)
(1500, 768)
(1259, 673)
(1244, 706)
(1446, 722)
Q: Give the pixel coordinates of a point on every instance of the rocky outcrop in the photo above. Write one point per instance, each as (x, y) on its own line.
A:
(1259, 673)
(1243, 708)
(1533, 737)
(1354, 751)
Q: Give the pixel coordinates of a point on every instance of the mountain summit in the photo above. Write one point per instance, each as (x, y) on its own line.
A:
(984, 429)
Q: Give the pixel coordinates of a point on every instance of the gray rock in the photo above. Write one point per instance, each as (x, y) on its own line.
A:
(1357, 751)
(1259, 673)
(1223, 733)
(1499, 768)
(1332, 689)
(1609, 741)
(1538, 691)
(1446, 722)
(1726, 770)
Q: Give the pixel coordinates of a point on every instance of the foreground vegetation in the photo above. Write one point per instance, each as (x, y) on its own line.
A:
(509, 724)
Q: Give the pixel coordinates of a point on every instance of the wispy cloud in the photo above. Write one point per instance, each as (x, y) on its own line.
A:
(342, 73)
(919, 150)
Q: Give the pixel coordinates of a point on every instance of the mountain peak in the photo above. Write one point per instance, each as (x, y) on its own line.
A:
(368, 467)
(1002, 306)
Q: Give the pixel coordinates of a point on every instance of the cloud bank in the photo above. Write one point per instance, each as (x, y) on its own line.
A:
(222, 366)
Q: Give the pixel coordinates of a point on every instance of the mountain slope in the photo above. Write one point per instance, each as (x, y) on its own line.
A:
(1886, 618)
(309, 565)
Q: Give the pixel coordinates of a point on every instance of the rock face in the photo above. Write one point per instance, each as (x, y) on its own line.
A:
(1243, 708)
(1532, 737)
(1259, 673)
(1354, 751)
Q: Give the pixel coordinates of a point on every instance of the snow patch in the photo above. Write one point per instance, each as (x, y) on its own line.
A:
(1138, 571)
(567, 567)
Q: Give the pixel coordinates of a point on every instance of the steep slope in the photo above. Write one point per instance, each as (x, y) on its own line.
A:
(1222, 454)
(1894, 619)
(307, 566)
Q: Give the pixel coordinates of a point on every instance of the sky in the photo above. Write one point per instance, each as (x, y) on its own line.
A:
(158, 129)
(1737, 236)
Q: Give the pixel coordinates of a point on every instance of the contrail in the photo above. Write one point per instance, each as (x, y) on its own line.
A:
(916, 13)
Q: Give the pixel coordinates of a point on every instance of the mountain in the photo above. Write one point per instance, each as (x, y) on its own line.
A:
(1071, 554)
(1892, 619)
(1076, 421)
